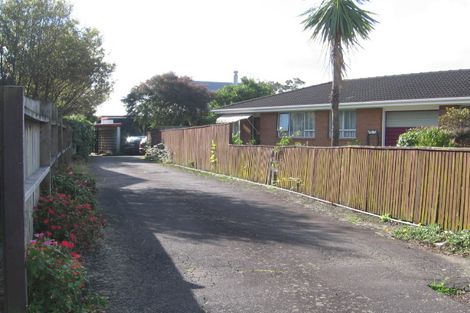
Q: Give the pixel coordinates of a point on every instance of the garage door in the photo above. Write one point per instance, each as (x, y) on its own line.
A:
(398, 122)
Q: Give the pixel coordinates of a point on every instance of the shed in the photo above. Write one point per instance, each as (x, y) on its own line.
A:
(108, 137)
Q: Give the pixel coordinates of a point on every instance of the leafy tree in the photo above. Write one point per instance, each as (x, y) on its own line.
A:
(289, 85)
(167, 100)
(45, 50)
(83, 134)
(457, 121)
(338, 24)
(247, 89)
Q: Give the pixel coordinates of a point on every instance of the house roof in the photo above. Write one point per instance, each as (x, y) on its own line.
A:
(431, 85)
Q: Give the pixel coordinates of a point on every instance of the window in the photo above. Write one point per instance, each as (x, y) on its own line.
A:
(236, 128)
(297, 124)
(347, 124)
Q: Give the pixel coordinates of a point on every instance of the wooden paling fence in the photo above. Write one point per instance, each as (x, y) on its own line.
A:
(420, 185)
(33, 140)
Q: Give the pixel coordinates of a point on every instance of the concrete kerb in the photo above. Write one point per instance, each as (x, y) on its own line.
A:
(292, 192)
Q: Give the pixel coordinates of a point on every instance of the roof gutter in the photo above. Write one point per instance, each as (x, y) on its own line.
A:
(349, 105)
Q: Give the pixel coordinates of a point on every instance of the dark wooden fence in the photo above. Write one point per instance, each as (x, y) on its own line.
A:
(418, 185)
(33, 140)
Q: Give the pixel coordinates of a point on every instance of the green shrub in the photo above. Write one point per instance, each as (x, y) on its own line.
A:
(57, 281)
(385, 218)
(158, 153)
(236, 139)
(408, 139)
(83, 134)
(442, 288)
(284, 140)
(426, 137)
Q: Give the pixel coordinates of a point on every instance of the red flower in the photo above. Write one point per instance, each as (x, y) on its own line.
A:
(46, 221)
(54, 227)
(67, 244)
(75, 255)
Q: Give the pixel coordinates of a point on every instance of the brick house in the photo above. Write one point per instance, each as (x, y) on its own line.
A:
(373, 111)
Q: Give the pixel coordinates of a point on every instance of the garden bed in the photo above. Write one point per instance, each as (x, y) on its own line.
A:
(66, 224)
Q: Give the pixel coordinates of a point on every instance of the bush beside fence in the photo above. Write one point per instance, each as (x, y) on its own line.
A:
(418, 185)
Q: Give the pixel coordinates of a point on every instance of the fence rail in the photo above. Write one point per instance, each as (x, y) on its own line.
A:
(419, 185)
(33, 140)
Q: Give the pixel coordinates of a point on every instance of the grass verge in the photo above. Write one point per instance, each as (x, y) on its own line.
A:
(455, 242)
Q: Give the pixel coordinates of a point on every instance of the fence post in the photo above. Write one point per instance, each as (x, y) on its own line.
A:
(45, 144)
(12, 199)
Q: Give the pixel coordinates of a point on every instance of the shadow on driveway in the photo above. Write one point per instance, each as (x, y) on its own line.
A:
(247, 249)
(133, 268)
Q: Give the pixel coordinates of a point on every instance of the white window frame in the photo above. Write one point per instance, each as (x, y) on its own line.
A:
(342, 130)
(289, 131)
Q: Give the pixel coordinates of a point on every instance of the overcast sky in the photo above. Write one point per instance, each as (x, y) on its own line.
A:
(264, 39)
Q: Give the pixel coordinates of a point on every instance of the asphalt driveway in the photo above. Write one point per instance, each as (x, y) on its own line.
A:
(180, 242)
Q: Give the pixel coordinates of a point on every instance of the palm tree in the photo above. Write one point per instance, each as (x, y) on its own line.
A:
(338, 24)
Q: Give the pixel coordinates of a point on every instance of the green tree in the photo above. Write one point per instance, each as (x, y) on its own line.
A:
(289, 85)
(45, 50)
(83, 134)
(167, 100)
(338, 24)
(246, 90)
(457, 122)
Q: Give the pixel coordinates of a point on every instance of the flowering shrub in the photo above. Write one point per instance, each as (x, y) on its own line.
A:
(79, 186)
(62, 218)
(56, 279)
